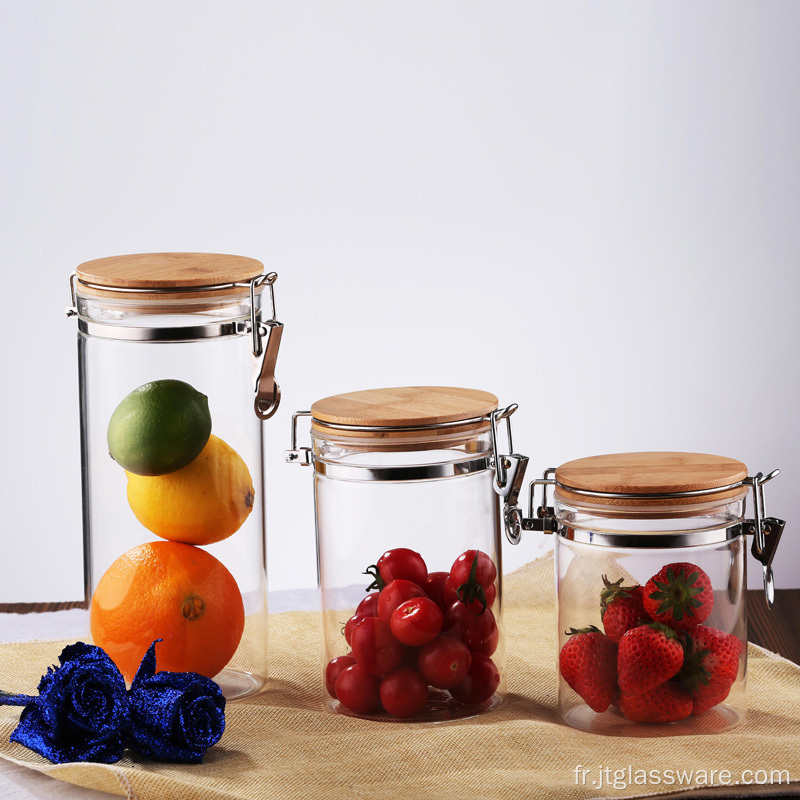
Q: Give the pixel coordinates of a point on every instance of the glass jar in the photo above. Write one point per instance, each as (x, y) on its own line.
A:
(171, 447)
(408, 552)
(650, 555)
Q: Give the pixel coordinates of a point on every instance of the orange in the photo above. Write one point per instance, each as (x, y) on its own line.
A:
(169, 591)
(205, 502)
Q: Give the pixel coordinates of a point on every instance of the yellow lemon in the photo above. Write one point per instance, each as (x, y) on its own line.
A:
(203, 503)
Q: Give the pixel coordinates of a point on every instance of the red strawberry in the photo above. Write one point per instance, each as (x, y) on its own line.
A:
(665, 703)
(680, 596)
(648, 656)
(588, 663)
(710, 666)
(621, 608)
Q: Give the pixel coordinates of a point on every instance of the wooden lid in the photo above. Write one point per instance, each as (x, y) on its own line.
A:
(165, 271)
(640, 474)
(404, 407)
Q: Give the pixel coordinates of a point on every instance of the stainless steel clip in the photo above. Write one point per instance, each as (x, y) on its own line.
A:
(266, 341)
(298, 455)
(509, 477)
(766, 532)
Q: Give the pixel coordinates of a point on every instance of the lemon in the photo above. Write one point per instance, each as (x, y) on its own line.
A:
(205, 502)
(159, 428)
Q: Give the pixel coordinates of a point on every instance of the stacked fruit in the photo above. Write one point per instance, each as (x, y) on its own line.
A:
(419, 629)
(188, 487)
(656, 660)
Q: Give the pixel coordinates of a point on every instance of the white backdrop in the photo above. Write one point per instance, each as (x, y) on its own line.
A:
(589, 209)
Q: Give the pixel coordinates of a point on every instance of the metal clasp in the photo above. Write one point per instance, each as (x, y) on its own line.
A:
(298, 455)
(766, 532)
(509, 476)
(268, 392)
(72, 309)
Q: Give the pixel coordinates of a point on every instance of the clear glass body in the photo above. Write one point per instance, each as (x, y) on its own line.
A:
(185, 598)
(358, 520)
(708, 538)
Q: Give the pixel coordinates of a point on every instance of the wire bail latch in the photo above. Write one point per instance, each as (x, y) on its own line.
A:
(509, 477)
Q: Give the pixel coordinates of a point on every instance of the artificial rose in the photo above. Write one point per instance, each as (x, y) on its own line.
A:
(174, 716)
(81, 710)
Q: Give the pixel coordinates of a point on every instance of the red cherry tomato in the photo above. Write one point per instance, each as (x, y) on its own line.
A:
(434, 588)
(350, 626)
(416, 621)
(480, 684)
(359, 691)
(404, 692)
(335, 666)
(368, 607)
(374, 647)
(485, 573)
(475, 606)
(450, 595)
(444, 662)
(402, 563)
(488, 646)
(394, 594)
(474, 630)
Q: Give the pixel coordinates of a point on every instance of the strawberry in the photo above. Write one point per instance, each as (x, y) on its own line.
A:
(710, 666)
(665, 703)
(621, 608)
(648, 656)
(588, 663)
(680, 596)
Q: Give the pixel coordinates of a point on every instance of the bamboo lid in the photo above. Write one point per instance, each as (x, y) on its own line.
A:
(168, 274)
(404, 407)
(642, 477)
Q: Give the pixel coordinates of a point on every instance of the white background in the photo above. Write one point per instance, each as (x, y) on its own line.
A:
(589, 209)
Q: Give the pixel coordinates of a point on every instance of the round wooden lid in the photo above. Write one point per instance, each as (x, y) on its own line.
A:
(404, 406)
(110, 277)
(650, 473)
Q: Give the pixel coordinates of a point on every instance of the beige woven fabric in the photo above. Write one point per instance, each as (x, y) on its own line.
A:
(282, 744)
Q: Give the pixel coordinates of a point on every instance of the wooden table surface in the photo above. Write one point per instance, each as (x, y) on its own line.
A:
(777, 630)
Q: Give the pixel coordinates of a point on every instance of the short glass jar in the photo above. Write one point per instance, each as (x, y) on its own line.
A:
(171, 450)
(651, 578)
(408, 552)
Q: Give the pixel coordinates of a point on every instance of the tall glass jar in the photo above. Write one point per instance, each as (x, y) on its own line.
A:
(651, 564)
(408, 549)
(171, 446)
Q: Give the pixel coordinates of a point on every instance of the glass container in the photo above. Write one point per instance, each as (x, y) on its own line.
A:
(651, 563)
(408, 552)
(176, 359)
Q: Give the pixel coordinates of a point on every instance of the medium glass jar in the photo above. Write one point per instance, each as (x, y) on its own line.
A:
(408, 549)
(651, 564)
(171, 446)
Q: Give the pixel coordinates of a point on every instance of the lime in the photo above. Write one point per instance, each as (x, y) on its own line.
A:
(159, 428)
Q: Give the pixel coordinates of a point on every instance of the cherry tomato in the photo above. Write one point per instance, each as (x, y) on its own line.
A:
(416, 621)
(349, 627)
(450, 594)
(404, 692)
(475, 606)
(394, 594)
(357, 690)
(434, 588)
(374, 647)
(474, 630)
(402, 563)
(368, 607)
(488, 646)
(480, 684)
(485, 573)
(335, 666)
(444, 662)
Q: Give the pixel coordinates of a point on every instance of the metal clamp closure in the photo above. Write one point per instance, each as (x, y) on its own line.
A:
(298, 455)
(268, 392)
(509, 476)
(766, 532)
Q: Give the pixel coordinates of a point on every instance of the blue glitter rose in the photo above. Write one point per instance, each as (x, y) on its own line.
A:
(174, 716)
(81, 710)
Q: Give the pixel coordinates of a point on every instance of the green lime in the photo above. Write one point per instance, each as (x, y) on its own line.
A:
(159, 428)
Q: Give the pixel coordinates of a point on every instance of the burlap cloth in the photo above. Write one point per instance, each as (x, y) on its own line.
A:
(283, 744)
